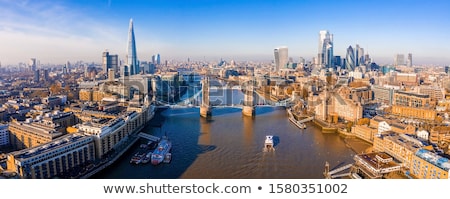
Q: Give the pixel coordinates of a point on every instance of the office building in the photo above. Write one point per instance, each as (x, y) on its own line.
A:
(359, 56)
(413, 105)
(32, 64)
(350, 59)
(109, 62)
(29, 134)
(429, 165)
(399, 60)
(409, 60)
(58, 158)
(36, 76)
(4, 135)
(325, 53)
(281, 58)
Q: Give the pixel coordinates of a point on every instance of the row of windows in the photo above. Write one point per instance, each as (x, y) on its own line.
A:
(62, 164)
(56, 152)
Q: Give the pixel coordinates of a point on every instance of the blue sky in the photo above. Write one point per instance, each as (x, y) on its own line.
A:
(60, 31)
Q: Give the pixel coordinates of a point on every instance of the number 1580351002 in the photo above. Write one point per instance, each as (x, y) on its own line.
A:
(308, 188)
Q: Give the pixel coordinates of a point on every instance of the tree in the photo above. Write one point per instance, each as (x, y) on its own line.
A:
(55, 88)
(67, 88)
(349, 126)
(439, 119)
(363, 121)
(305, 93)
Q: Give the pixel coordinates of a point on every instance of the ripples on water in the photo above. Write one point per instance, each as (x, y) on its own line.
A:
(230, 146)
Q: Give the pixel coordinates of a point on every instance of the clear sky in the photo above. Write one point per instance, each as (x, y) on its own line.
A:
(66, 30)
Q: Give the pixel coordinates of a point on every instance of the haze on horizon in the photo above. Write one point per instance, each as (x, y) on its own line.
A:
(61, 31)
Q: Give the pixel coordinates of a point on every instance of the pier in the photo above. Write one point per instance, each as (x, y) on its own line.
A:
(334, 173)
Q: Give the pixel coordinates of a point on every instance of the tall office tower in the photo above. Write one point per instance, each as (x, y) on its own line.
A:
(350, 59)
(64, 69)
(361, 58)
(399, 60)
(367, 59)
(281, 57)
(46, 77)
(325, 54)
(158, 59)
(409, 60)
(111, 75)
(356, 55)
(301, 62)
(337, 61)
(154, 59)
(36, 76)
(32, 64)
(109, 62)
(132, 62)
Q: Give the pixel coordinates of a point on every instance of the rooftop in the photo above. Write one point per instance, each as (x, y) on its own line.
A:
(434, 159)
(413, 94)
(378, 160)
(26, 153)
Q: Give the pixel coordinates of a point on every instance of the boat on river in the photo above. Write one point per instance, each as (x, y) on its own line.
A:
(268, 144)
(161, 151)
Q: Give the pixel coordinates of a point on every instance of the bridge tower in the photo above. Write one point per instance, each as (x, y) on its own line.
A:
(249, 100)
(205, 108)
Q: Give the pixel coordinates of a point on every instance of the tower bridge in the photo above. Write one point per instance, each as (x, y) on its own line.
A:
(248, 105)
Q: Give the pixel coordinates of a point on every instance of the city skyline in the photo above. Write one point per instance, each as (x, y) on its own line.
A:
(57, 32)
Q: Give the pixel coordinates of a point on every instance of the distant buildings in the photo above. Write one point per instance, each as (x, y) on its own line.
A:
(32, 64)
(409, 62)
(399, 60)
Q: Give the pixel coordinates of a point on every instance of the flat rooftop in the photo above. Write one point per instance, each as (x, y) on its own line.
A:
(378, 160)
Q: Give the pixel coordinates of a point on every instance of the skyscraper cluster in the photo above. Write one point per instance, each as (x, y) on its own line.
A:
(32, 64)
(355, 57)
(399, 60)
(325, 55)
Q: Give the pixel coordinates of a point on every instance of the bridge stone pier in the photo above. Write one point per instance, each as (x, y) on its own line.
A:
(249, 100)
(205, 108)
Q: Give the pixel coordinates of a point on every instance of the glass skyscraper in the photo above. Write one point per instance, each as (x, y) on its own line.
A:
(132, 62)
(281, 57)
(350, 59)
(325, 55)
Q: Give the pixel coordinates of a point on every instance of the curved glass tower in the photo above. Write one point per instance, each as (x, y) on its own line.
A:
(350, 59)
(132, 62)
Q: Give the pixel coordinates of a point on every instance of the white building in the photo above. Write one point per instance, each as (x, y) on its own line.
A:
(383, 127)
(423, 134)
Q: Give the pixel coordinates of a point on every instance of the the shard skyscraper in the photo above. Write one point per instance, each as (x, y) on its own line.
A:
(132, 62)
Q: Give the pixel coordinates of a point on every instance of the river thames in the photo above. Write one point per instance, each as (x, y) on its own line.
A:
(229, 146)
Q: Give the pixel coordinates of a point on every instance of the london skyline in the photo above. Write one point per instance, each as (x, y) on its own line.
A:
(60, 31)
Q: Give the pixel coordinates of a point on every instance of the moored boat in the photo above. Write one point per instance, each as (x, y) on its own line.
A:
(161, 151)
(291, 117)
